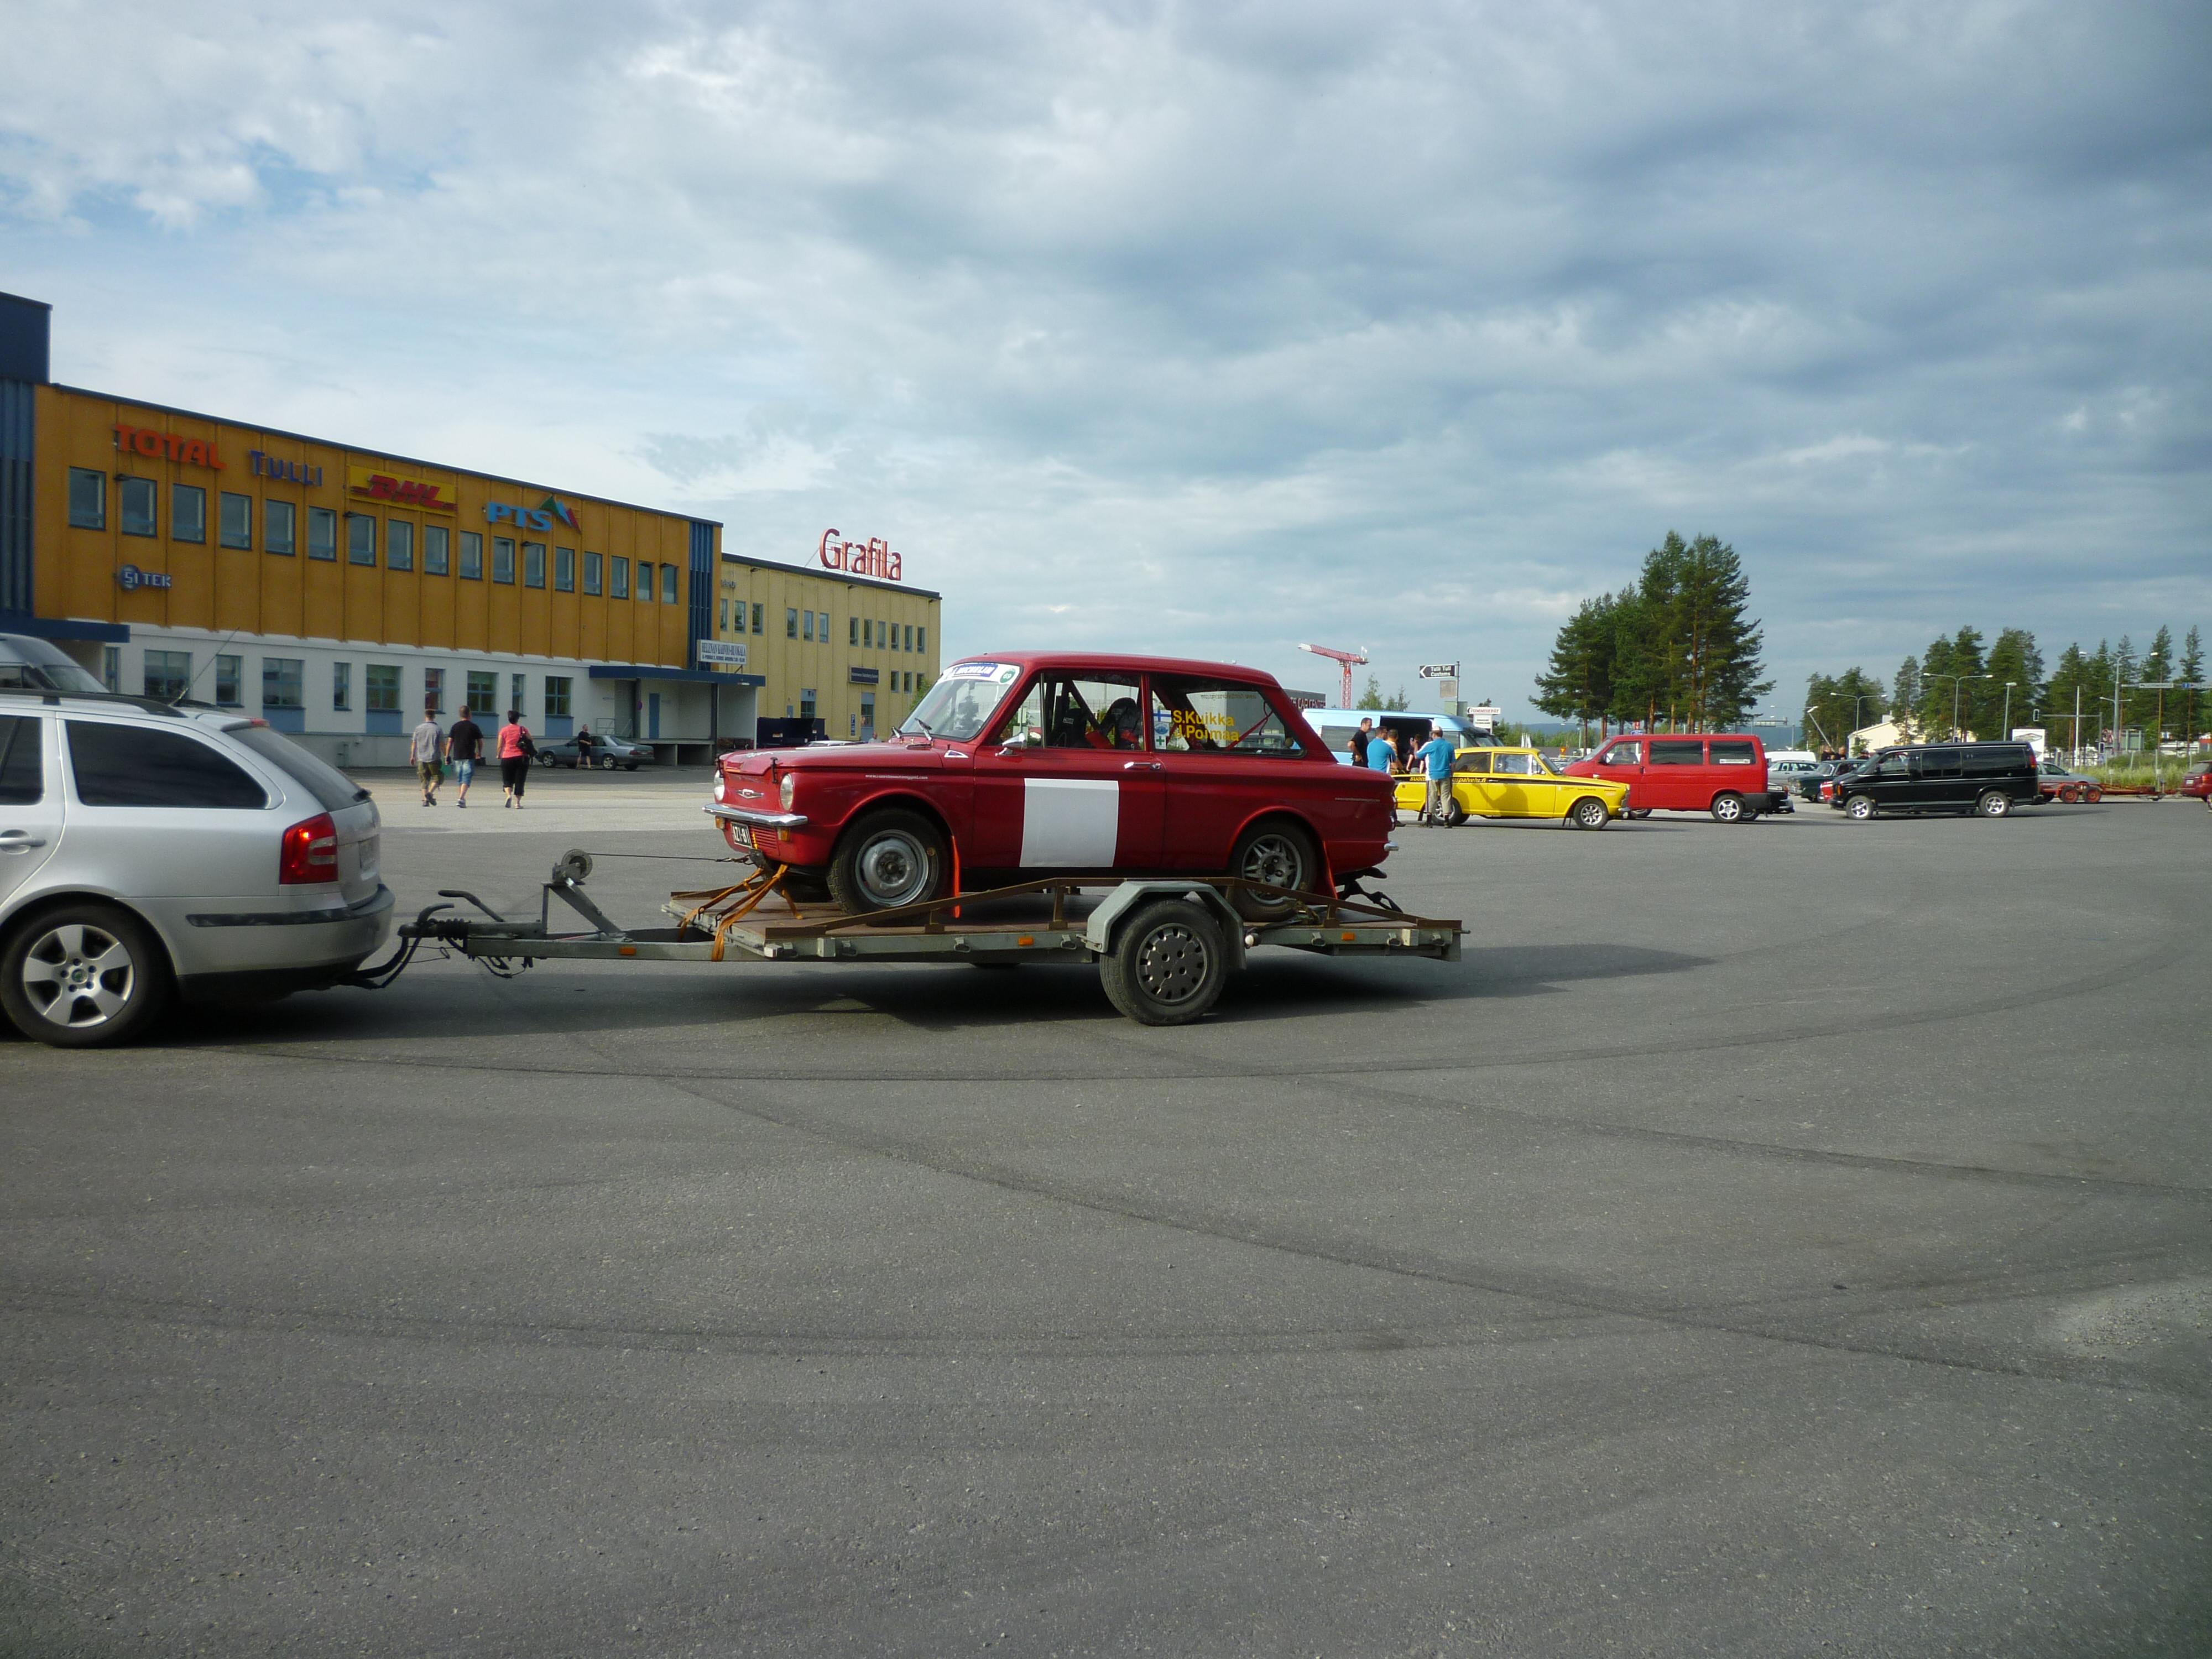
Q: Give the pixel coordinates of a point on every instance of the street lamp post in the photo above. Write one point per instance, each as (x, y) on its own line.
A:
(1956, 679)
(2004, 731)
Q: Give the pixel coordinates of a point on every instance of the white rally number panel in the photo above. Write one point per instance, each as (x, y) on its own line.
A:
(1070, 823)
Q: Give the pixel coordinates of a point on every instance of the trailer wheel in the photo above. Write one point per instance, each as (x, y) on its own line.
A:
(1167, 965)
(888, 859)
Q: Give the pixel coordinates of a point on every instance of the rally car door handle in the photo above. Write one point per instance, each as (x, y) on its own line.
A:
(1144, 766)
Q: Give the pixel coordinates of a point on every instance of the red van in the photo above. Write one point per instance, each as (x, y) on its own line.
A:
(1724, 774)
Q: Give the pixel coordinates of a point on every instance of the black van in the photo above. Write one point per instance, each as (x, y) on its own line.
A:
(1988, 778)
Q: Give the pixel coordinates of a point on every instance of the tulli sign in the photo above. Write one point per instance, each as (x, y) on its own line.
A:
(872, 557)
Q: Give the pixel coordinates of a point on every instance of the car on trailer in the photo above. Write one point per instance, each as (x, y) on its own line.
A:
(1518, 783)
(1027, 764)
(2054, 783)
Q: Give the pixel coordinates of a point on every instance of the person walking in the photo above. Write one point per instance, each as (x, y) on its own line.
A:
(516, 753)
(425, 751)
(1360, 740)
(464, 747)
(1380, 754)
(584, 743)
(1437, 754)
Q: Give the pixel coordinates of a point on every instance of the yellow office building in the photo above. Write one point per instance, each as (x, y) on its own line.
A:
(336, 592)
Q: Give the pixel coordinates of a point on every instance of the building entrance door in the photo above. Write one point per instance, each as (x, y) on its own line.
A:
(653, 716)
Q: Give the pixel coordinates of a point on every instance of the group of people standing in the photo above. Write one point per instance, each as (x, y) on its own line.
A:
(462, 746)
(1382, 750)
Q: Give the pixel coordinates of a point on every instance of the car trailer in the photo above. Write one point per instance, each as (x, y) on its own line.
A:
(1164, 946)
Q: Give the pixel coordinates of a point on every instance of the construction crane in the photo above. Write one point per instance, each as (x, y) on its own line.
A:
(1344, 659)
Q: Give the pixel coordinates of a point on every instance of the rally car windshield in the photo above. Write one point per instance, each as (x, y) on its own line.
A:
(958, 705)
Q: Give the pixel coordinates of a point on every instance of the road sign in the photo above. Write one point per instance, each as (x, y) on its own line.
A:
(1439, 671)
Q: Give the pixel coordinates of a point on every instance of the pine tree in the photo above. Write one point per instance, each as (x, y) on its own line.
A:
(1904, 696)
(2192, 670)
(2072, 676)
(1578, 683)
(2013, 658)
(1370, 696)
(1842, 704)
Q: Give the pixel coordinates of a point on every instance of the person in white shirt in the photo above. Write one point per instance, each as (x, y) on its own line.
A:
(427, 740)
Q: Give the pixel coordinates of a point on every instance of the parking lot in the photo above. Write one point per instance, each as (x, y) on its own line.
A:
(1789, 1238)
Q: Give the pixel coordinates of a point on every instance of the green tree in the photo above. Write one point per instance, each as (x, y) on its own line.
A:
(2014, 658)
(2072, 688)
(1714, 643)
(2192, 670)
(1950, 675)
(1905, 694)
(1397, 704)
(1840, 704)
(1370, 695)
(1639, 678)
(1578, 684)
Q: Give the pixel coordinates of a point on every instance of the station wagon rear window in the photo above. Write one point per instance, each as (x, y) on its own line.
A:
(132, 766)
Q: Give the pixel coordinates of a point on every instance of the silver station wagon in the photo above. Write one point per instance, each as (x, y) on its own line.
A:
(149, 853)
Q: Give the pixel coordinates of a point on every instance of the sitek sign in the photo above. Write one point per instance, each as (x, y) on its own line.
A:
(542, 517)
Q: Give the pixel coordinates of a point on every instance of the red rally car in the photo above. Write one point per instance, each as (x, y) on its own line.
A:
(1029, 764)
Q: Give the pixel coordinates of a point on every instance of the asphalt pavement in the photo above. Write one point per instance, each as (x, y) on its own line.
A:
(1792, 1238)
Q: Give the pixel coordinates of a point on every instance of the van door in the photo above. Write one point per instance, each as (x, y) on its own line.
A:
(1675, 776)
(1622, 761)
(30, 799)
(1939, 779)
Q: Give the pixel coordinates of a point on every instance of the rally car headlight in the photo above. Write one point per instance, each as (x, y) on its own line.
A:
(783, 793)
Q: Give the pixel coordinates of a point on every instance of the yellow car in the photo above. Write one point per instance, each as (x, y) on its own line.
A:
(1518, 783)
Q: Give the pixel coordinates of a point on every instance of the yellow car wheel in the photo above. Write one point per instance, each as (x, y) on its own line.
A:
(1588, 813)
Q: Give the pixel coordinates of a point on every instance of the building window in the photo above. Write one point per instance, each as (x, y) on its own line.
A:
(237, 525)
(279, 520)
(88, 499)
(644, 582)
(806, 625)
(111, 666)
(556, 696)
(668, 583)
(361, 538)
(520, 690)
(168, 674)
(791, 622)
(437, 542)
(621, 588)
(383, 688)
(591, 563)
(471, 555)
(564, 569)
(322, 532)
(228, 671)
(922, 638)
(283, 682)
(433, 688)
(398, 545)
(533, 564)
(760, 619)
(722, 625)
(134, 505)
(187, 513)
(852, 630)
(483, 690)
(503, 560)
(341, 685)
(909, 637)
(806, 702)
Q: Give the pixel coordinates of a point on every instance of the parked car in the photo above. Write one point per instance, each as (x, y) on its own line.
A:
(36, 665)
(1518, 783)
(2055, 783)
(1032, 764)
(2196, 781)
(1724, 774)
(1989, 779)
(148, 852)
(607, 753)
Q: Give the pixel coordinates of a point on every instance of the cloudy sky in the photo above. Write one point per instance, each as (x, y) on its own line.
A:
(1206, 328)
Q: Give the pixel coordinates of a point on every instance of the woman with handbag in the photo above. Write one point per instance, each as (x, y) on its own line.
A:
(516, 752)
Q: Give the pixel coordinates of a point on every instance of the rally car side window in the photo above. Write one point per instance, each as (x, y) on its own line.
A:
(1217, 717)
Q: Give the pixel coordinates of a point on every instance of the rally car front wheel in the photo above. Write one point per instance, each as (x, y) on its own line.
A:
(888, 859)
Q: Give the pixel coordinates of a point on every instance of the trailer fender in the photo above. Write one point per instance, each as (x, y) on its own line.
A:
(1100, 928)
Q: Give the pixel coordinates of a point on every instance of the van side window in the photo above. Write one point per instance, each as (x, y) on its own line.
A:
(1623, 754)
(1939, 762)
(1732, 752)
(23, 768)
(129, 766)
(1683, 752)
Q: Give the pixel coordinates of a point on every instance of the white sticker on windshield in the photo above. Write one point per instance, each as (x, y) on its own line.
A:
(975, 671)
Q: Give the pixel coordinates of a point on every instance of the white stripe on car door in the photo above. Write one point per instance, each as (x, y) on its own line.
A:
(1070, 823)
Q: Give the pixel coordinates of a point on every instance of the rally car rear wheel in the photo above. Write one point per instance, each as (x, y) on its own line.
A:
(1279, 854)
(888, 859)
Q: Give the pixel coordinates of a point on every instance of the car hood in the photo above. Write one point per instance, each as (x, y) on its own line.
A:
(847, 757)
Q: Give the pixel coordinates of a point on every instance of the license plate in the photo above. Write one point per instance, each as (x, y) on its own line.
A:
(741, 833)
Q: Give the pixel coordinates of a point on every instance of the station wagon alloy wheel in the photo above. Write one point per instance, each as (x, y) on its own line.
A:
(82, 976)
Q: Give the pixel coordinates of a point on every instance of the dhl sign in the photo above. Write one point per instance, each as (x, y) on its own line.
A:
(371, 483)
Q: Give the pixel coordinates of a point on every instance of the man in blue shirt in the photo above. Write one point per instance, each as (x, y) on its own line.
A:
(1437, 754)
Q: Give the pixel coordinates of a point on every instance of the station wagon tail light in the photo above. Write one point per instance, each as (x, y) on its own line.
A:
(783, 790)
(310, 852)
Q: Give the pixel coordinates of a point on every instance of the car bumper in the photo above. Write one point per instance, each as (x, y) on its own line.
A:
(213, 937)
(775, 838)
